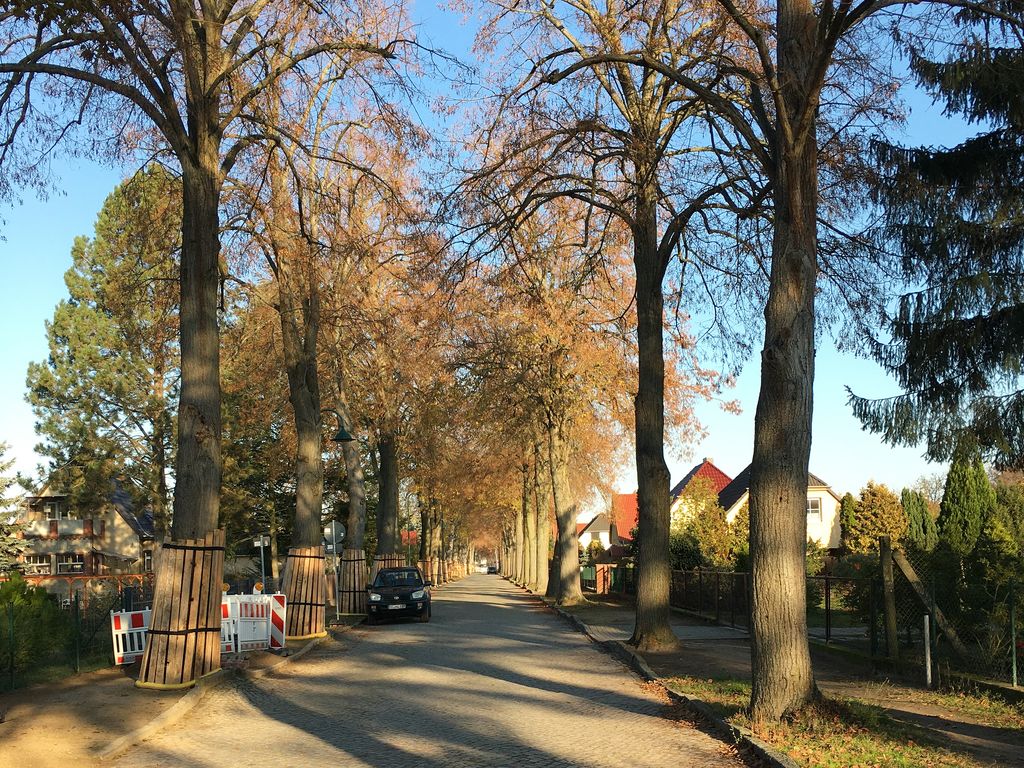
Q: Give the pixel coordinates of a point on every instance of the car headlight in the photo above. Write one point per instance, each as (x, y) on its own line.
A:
(374, 597)
(419, 594)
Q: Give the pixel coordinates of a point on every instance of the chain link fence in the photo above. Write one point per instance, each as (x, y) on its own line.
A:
(974, 625)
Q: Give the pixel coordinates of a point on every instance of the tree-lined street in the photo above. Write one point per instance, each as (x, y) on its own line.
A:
(495, 679)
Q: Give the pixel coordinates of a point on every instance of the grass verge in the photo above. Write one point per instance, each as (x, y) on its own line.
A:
(847, 733)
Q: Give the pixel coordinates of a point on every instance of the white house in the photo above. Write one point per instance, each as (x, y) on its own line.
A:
(822, 506)
(598, 529)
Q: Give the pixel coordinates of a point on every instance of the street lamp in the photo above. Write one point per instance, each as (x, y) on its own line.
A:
(342, 435)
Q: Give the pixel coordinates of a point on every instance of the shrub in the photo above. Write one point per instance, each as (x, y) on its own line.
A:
(41, 629)
(861, 569)
(815, 562)
(684, 552)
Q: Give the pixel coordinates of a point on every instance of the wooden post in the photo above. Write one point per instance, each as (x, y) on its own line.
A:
(929, 605)
(889, 598)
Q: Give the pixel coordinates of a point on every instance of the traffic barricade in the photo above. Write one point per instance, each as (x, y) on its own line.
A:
(257, 621)
(227, 630)
(248, 623)
(128, 630)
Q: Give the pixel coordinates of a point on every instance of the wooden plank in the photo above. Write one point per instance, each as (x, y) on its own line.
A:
(940, 619)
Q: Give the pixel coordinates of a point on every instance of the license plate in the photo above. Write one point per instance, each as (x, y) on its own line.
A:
(396, 606)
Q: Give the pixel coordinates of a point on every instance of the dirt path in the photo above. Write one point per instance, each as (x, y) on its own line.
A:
(61, 725)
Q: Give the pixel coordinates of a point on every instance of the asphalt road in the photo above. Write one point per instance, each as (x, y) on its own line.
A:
(493, 680)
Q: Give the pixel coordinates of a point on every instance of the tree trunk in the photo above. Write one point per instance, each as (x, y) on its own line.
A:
(387, 500)
(541, 508)
(198, 460)
(304, 395)
(652, 630)
(517, 543)
(424, 527)
(435, 538)
(567, 559)
(530, 542)
(275, 571)
(298, 307)
(780, 658)
(353, 571)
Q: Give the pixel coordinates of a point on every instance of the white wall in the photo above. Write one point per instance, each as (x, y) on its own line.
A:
(824, 529)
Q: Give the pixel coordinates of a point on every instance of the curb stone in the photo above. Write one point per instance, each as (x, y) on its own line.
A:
(170, 716)
(727, 731)
(190, 700)
(736, 733)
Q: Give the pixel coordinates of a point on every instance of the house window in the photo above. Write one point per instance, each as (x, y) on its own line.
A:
(147, 561)
(55, 510)
(70, 562)
(814, 507)
(37, 565)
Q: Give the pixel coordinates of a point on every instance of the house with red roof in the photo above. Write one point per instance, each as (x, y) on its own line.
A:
(707, 473)
(625, 514)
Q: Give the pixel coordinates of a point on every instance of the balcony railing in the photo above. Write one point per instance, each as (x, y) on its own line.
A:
(52, 529)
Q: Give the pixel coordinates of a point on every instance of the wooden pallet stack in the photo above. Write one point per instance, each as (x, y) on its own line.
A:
(183, 643)
(305, 587)
(353, 581)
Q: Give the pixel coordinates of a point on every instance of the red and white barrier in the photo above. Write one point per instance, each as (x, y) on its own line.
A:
(278, 608)
(247, 623)
(227, 630)
(250, 619)
(128, 630)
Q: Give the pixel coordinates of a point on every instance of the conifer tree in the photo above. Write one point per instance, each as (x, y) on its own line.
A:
(10, 545)
(921, 530)
(877, 513)
(953, 216)
(103, 398)
(847, 515)
(968, 502)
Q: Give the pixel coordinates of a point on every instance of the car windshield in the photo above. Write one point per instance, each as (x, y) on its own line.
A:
(398, 579)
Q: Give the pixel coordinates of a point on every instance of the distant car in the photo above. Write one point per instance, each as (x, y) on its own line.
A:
(492, 569)
(397, 592)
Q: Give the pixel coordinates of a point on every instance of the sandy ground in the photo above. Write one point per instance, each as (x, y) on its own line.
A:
(65, 723)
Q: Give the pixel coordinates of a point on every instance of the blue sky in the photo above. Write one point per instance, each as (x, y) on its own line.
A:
(35, 253)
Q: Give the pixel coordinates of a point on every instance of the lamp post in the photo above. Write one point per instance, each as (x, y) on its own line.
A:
(336, 531)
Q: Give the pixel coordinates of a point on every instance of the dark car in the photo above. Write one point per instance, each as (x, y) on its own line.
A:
(492, 569)
(398, 592)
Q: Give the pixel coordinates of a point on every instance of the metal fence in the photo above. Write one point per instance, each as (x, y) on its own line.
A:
(952, 623)
(47, 635)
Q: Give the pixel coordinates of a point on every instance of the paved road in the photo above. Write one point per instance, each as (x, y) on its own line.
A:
(493, 680)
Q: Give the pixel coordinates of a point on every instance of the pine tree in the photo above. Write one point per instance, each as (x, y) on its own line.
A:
(954, 216)
(10, 545)
(102, 399)
(878, 512)
(921, 530)
(968, 503)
